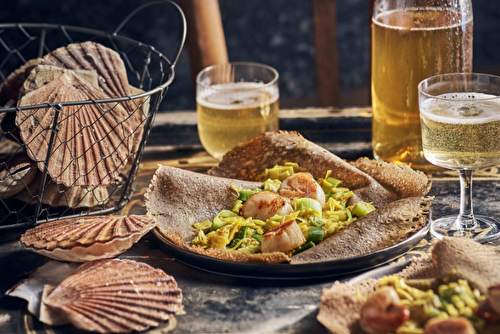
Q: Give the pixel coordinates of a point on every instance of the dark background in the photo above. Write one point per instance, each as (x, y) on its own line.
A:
(275, 32)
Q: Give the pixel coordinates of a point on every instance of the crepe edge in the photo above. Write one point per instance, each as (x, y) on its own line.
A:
(223, 254)
(403, 180)
(340, 297)
(420, 221)
(216, 253)
(443, 255)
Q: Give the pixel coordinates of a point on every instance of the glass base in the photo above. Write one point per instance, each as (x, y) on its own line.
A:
(484, 229)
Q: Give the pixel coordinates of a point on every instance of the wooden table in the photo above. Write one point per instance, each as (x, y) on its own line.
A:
(219, 304)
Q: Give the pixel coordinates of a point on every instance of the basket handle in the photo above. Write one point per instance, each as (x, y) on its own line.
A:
(159, 2)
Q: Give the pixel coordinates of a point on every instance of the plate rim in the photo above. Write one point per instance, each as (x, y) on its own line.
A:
(187, 256)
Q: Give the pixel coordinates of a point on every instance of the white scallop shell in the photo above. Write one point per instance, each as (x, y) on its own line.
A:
(87, 239)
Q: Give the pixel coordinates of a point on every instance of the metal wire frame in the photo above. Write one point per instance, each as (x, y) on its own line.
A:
(154, 95)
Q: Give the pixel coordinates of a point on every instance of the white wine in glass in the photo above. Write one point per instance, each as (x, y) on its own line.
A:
(235, 102)
(460, 121)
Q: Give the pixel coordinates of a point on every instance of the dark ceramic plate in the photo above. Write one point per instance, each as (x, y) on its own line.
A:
(288, 271)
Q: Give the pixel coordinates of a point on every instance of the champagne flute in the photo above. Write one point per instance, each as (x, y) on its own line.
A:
(460, 121)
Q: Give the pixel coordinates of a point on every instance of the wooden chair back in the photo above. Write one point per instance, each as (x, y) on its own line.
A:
(207, 44)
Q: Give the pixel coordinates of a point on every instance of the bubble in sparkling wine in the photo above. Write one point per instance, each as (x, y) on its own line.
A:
(469, 110)
(462, 108)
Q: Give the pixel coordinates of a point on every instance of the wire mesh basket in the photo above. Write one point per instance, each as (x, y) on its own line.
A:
(70, 159)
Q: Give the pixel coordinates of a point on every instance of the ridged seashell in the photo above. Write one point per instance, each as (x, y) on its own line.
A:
(9, 89)
(109, 67)
(92, 142)
(116, 296)
(93, 56)
(57, 195)
(140, 114)
(43, 74)
(87, 239)
(15, 174)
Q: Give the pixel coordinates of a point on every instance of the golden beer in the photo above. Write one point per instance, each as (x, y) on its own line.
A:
(409, 46)
(235, 112)
(458, 131)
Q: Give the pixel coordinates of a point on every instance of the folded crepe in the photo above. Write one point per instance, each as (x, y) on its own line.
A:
(371, 181)
(340, 305)
(177, 198)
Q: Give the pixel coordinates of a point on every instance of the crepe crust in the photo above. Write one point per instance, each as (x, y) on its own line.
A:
(223, 254)
(177, 199)
(340, 307)
(457, 253)
(403, 180)
(379, 229)
(341, 299)
(250, 159)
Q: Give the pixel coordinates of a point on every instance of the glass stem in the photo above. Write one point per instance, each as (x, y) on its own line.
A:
(466, 218)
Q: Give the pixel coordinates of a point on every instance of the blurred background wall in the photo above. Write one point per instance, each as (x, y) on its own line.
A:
(275, 32)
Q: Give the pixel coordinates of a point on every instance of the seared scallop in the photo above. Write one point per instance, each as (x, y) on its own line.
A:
(283, 238)
(264, 205)
(301, 185)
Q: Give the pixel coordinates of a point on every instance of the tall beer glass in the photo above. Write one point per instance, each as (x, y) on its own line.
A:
(235, 102)
(412, 40)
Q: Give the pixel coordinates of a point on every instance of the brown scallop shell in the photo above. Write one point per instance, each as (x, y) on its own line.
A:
(110, 69)
(92, 142)
(140, 114)
(93, 56)
(10, 87)
(57, 195)
(43, 74)
(88, 238)
(116, 296)
(15, 174)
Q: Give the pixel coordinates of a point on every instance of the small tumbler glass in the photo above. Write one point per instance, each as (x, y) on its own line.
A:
(235, 102)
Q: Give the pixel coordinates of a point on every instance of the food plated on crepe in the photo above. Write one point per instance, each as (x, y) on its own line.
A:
(309, 205)
(455, 291)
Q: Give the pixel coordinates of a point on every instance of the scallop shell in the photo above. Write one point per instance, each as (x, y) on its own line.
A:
(110, 69)
(93, 56)
(57, 195)
(87, 239)
(92, 142)
(10, 87)
(116, 296)
(140, 114)
(15, 174)
(43, 74)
